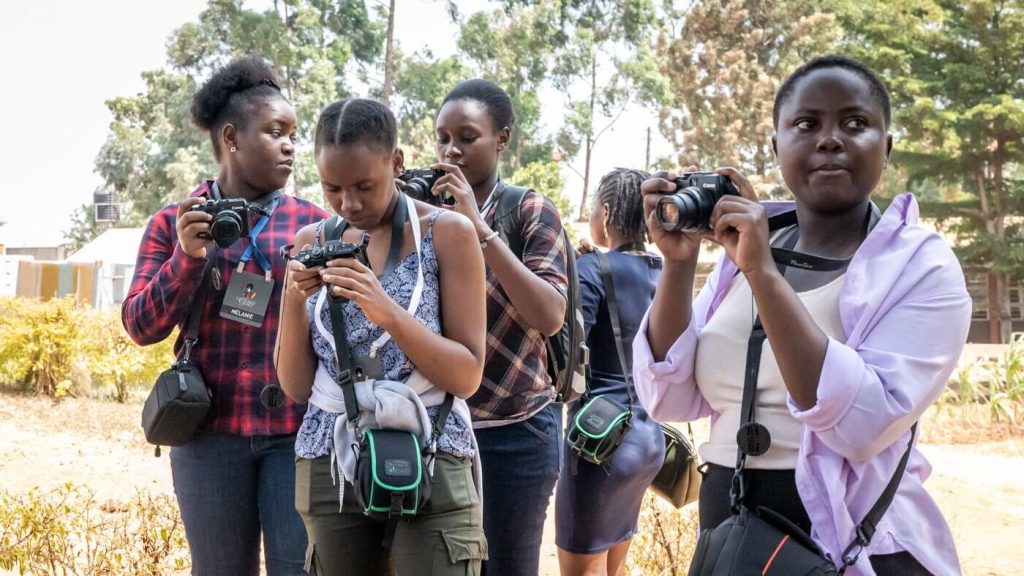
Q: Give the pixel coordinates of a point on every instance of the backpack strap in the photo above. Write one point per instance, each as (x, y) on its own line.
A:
(508, 218)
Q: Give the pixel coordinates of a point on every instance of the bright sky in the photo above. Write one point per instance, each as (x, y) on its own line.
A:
(63, 58)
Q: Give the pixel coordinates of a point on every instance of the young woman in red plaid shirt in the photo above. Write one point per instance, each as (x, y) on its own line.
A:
(234, 480)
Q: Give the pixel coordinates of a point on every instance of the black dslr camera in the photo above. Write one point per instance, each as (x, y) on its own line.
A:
(230, 219)
(334, 250)
(417, 182)
(688, 209)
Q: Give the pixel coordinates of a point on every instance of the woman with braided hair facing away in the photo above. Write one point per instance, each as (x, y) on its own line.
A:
(234, 480)
(596, 507)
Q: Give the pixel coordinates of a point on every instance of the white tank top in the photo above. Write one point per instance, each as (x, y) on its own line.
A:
(721, 362)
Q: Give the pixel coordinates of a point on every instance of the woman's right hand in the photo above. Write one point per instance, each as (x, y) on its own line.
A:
(193, 228)
(301, 282)
(674, 246)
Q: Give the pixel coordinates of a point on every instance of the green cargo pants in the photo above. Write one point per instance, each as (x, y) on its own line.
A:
(445, 539)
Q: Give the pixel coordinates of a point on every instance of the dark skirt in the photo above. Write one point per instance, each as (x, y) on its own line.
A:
(598, 508)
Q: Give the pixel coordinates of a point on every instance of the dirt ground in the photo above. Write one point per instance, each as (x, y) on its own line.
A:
(976, 479)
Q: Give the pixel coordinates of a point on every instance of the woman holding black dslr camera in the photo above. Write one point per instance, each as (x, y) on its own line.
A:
(858, 346)
(413, 315)
(234, 480)
(518, 423)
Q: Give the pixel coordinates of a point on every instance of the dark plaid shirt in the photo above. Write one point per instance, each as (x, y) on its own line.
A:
(236, 360)
(516, 383)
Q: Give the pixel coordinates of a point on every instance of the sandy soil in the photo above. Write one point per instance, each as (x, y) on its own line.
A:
(99, 445)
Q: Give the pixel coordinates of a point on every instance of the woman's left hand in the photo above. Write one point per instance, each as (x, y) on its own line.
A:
(350, 279)
(740, 225)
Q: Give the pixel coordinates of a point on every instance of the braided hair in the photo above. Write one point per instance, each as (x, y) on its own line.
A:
(357, 121)
(620, 190)
(233, 95)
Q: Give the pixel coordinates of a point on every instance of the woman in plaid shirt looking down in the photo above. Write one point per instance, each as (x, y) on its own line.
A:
(234, 480)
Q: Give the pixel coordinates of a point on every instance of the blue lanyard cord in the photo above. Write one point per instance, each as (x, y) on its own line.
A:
(253, 249)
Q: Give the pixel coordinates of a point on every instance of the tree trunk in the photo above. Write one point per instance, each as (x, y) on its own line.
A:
(590, 138)
(389, 57)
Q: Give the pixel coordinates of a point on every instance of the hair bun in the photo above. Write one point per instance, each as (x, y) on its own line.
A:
(240, 75)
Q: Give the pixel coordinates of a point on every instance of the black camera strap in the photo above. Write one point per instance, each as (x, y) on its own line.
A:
(196, 312)
(336, 226)
(753, 438)
(613, 315)
(346, 378)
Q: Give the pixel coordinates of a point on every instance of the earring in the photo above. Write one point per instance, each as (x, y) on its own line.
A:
(233, 149)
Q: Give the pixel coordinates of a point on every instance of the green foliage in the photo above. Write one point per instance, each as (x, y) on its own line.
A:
(84, 228)
(955, 70)
(994, 384)
(421, 84)
(58, 348)
(513, 49)
(603, 55)
(154, 156)
(724, 60)
(546, 178)
(65, 532)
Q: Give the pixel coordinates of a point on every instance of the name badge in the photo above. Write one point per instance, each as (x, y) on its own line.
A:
(247, 298)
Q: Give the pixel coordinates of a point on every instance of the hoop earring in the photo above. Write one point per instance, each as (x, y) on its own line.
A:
(233, 149)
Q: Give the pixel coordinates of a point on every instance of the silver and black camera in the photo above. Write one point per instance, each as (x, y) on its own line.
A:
(230, 219)
(688, 209)
(417, 183)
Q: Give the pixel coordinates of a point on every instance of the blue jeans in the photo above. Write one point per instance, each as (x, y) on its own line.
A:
(230, 489)
(520, 464)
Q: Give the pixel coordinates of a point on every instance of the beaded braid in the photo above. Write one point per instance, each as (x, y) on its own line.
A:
(620, 190)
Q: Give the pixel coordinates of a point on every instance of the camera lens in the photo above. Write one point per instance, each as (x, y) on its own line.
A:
(226, 228)
(688, 209)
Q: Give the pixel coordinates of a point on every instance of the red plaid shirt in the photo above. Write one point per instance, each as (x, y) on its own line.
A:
(236, 360)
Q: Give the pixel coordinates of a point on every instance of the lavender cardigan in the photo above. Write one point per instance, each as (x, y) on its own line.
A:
(905, 310)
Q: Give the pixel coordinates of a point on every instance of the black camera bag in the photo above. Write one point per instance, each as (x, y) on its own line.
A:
(178, 403)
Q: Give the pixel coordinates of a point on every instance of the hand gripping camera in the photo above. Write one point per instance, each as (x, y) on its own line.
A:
(333, 250)
(688, 209)
(230, 219)
(417, 183)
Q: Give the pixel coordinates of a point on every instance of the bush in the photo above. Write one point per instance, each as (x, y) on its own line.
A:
(58, 348)
(989, 389)
(665, 539)
(66, 532)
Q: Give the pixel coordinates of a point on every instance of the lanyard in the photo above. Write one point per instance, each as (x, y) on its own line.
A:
(253, 249)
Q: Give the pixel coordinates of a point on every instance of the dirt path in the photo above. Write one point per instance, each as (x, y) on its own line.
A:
(99, 445)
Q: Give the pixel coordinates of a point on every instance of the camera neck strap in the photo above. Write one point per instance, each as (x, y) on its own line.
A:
(198, 303)
(753, 439)
(613, 315)
(266, 211)
(346, 378)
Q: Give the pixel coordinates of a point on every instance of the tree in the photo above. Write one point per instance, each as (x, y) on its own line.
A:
(154, 156)
(84, 228)
(724, 61)
(956, 73)
(513, 49)
(602, 51)
(421, 84)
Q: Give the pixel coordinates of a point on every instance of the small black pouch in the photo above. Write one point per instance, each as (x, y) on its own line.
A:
(175, 407)
(178, 402)
(391, 478)
(598, 429)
